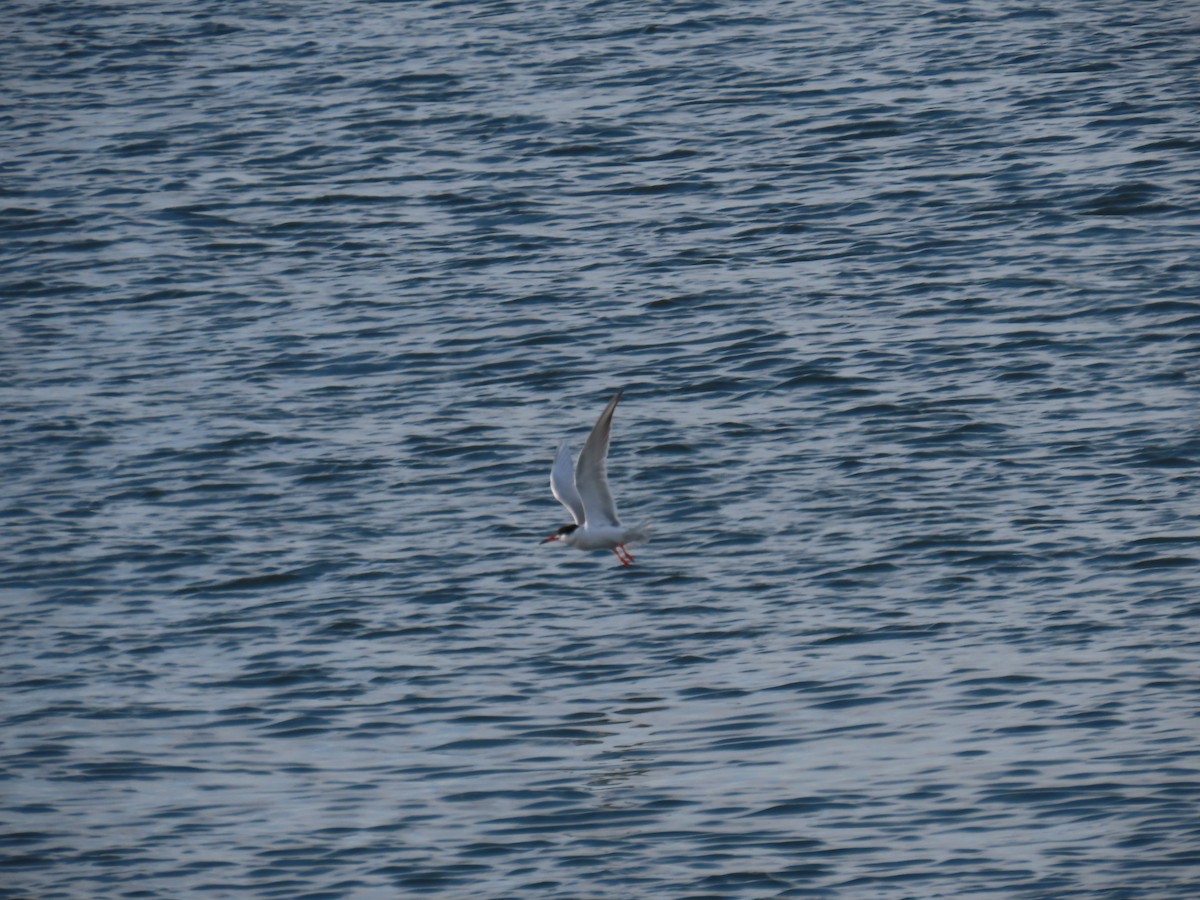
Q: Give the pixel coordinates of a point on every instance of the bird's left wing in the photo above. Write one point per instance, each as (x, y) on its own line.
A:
(591, 477)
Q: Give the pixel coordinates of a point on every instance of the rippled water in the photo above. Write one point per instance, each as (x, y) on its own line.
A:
(299, 299)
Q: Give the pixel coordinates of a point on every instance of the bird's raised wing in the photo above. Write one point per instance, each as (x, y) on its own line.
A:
(562, 483)
(591, 477)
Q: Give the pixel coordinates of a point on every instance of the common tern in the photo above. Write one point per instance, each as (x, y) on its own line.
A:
(583, 490)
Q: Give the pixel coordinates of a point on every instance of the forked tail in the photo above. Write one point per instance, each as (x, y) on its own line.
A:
(638, 534)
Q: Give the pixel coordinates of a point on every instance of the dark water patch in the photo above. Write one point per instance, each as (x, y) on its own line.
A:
(126, 770)
(246, 583)
(1133, 198)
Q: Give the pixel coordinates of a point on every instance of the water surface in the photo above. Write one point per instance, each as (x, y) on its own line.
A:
(298, 300)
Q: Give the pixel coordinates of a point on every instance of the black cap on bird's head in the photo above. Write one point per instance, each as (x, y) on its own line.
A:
(562, 532)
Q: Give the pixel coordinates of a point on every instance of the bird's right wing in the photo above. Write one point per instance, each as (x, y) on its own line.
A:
(591, 478)
(562, 483)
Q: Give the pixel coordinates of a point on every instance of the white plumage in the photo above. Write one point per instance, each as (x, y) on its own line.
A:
(583, 490)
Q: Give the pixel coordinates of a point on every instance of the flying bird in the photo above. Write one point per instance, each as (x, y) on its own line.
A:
(583, 490)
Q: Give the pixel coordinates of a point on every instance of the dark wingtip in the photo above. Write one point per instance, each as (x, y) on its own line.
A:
(611, 404)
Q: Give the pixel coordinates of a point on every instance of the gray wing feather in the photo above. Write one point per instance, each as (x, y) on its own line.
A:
(562, 483)
(591, 476)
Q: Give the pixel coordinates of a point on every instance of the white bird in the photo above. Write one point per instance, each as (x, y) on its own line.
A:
(583, 490)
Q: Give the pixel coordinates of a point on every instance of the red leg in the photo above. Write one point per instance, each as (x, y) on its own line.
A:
(628, 557)
(623, 560)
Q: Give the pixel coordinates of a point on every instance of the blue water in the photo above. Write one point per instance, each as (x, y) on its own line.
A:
(299, 298)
